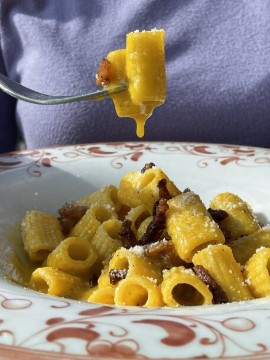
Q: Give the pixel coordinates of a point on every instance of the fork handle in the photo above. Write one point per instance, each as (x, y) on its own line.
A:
(23, 93)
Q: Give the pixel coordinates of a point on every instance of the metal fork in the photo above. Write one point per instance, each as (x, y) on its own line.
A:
(21, 92)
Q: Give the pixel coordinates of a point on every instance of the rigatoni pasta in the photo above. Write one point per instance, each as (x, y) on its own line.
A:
(41, 233)
(137, 215)
(134, 263)
(103, 295)
(245, 246)
(74, 256)
(257, 272)
(138, 290)
(180, 286)
(142, 65)
(142, 187)
(240, 220)
(149, 243)
(107, 239)
(190, 226)
(52, 281)
(219, 262)
(90, 222)
(107, 196)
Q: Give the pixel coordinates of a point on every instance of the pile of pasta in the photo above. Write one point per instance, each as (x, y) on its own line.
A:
(148, 243)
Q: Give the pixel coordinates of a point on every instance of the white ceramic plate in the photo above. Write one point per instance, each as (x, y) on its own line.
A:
(34, 326)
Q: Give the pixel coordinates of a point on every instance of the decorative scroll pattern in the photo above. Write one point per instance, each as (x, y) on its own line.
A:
(35, 160)
(104, 332)
(43, 327)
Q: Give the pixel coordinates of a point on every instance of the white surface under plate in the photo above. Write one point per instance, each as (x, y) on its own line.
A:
(35, 326)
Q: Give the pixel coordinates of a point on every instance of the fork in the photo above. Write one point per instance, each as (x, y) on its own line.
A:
(23, 93)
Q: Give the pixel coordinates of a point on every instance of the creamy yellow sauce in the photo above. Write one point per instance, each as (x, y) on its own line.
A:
(142, 66)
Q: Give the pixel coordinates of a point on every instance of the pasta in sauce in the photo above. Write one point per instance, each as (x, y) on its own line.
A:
(149, 243)
(142, 66)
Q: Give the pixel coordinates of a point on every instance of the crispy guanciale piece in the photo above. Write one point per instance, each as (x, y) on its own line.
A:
(116, 275)
(103, 76)
(163, 193)
(163, 253)
(70, 215)
(163, 190)
(147, 166)
(157, 225)
(186, 190)
(127, 236)
(219, 296)
(218, 214)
